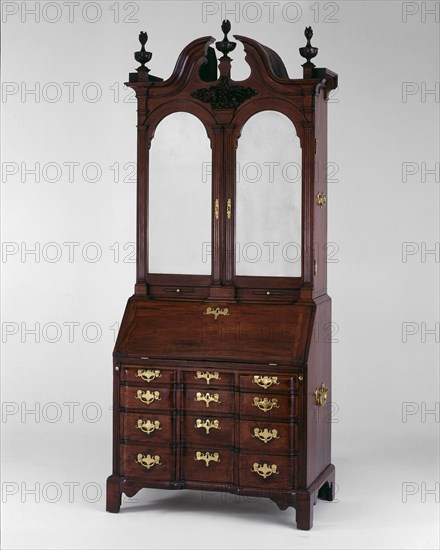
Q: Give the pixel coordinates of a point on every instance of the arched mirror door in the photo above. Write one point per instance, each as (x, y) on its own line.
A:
(179, 207)
(268, 198)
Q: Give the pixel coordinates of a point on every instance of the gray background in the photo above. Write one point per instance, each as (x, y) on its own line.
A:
(383, 220)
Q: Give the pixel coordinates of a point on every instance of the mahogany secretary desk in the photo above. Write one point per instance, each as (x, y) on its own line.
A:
(222, 367)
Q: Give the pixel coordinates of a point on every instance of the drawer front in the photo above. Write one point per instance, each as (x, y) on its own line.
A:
(147, 462)
(208, 430)
(212, 401)
(147, 375)
(175, 292)
(268, 382)
(267, 471)
(207, 378)
(147, 428)
(268, 406)
(147, 398)
(270, 437)
(207, 464)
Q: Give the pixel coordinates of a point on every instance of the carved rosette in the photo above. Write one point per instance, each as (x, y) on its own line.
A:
(224, 95)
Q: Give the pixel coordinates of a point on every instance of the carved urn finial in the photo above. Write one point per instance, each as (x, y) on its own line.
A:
(143, 56)
(225, 46)
(308, 52)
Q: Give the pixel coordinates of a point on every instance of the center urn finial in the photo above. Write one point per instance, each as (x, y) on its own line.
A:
(225, 46)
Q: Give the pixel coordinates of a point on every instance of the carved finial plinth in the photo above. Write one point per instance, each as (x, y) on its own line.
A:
(308, 52)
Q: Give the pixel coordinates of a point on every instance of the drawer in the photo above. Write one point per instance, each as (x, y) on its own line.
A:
(175, 292)
(147, 375)
(268, 382)
(268, 406)
(207, 378)
(207, 430)
(148, 398)
(209, 401)
(265, 295)
(267, 471)
(147, 428)
(270, 437)
(207, 464)
(147, 462)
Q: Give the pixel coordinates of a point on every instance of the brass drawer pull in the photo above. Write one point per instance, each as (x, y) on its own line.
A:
(264, 470)
(207, 424)
(207, 457)
(265, 381)
(265, 404)
(216, 311)
(321, 395)
(148, 461)
(147, 397)
(148, 426)
(148, 375)
(208, 376)
(265, 435)
(229, 209)
(207, 398)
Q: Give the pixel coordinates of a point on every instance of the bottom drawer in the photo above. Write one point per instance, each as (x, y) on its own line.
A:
(266, 471)
(209, 465)
(147, 462)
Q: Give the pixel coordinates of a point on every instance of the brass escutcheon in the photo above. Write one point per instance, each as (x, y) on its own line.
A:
(148, 375)
(207, 398)
(148, 426)
(264, 470)
(208, 376)
(216, 311)
(265, 435)
(207, 424)
(265, 404)
(207, 457)
(265, 381)
(148, 461)
(147, 397)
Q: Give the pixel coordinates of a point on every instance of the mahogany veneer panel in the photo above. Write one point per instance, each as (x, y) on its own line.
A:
(250, 331)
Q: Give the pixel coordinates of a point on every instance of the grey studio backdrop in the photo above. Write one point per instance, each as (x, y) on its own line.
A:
(68, 228)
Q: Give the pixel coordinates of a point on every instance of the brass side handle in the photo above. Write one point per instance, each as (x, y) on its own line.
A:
(321, 199)
(265, 404)
(216, 209)
(207, 398)
(148, 374)
(265, 435)
(148, 426)
(207, 457)
(216, 311)
(321, 395)
(148, 461)
(265, 381)
(207, 424)
(148, 396)
(264, 470)
(208, 376)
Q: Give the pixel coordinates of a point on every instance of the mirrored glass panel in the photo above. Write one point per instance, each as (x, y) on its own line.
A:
(180, 197)
(268, 198)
